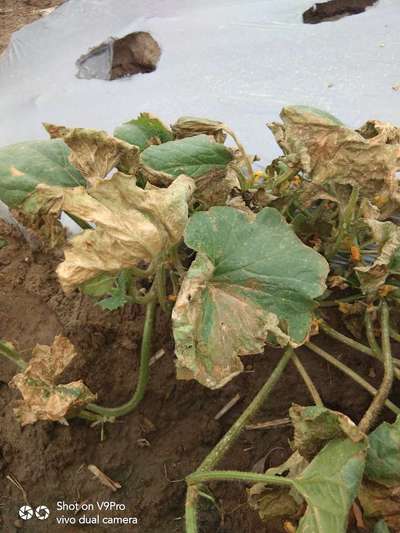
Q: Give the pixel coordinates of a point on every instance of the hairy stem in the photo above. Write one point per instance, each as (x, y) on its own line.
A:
(349, 372)
(241, 150)
(143, 371)
(218, 452)
(379, 400)
(347, 340)
(307, 380)
(234, 475)
(345, 222)
(12, 355)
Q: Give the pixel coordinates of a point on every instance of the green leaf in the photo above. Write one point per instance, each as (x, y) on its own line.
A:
(25, 165)
(193, 156)
(329, 485)
(142, 130)
(252, 278)
(383, 459)
(314, 426)
(381, 527)
(118, 295)
(99, 286)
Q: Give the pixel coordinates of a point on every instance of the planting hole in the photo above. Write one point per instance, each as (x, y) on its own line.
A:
(136, 53)
(334, 10)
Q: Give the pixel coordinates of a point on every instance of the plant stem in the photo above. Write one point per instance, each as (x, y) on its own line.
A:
(12, 355)
(370, 335)
(347, 340)
(234, 475)
(307, 380)
(378, 402)
(218, 452)
(241, 150)
(333, 303)
(345, 222)
(349, 372)
(143, 371)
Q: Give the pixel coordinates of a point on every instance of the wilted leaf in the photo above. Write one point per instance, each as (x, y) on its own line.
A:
(25, 165)
(387, 236)
(132, 225)
(383, 459)
(329, 485)
(251, 279)
(43, 398)
(191, 126)
(274, 502)
(314, 426)
(143, 131)
(205, 161)
(379, 502)
(329, 152)
(95, 153)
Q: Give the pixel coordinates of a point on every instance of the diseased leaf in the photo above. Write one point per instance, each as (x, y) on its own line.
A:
(25, 165)
(380, 502)
(133, 226)
(329, 485)
(191, 126)
(43, 398)
(251, 279)
(95, 153)
(143, 131)
(383, 458)
(274, 502)
(387, 236)
(205, 161)
(327, 152)
(314, 426)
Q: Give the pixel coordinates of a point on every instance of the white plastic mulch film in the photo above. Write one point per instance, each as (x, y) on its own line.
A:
(232, 60)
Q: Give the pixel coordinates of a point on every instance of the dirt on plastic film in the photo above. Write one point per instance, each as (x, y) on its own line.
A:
(176, 418)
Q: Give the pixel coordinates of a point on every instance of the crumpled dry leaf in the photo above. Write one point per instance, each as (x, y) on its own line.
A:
(379, 501)
(190, 126)
(387, 236)
(380, 132)
(43, 398)
(133, 225)
(274, 502)
(95, 153)
(327, 151)
(314, 426)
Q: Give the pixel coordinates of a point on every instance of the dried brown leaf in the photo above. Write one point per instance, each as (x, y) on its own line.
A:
(43, 398)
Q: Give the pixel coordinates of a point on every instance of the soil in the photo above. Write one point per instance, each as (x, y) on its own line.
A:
(176, 418)
(335, 9)
(16, 13)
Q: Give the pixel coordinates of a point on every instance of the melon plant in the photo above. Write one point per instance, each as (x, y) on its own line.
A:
(177, 219)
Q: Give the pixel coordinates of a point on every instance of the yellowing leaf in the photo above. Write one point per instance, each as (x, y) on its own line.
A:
(328, 151)
(133, 226)
(43, 398)
(95, 153)
(252, 280)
